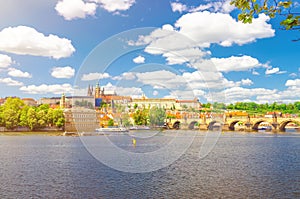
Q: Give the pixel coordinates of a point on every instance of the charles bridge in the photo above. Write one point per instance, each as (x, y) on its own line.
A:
(229, 123)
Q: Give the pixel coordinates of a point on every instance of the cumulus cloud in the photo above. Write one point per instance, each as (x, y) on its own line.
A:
(5, 61)
(44, 89)
(134, 92)
(63, 72)
(72, 9)
(94, 76)
(125, 76)
(139, 59)
(246, 82)
(10, 82)
(216, 6)
(18, 73)
(115, 5)
(271, 71)
(177, 6)
(294, 82)
(206, 28)
(228, 64)
(25, 40)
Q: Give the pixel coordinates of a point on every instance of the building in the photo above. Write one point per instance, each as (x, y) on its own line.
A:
(30, 101)
(80, 119)
(166, 103)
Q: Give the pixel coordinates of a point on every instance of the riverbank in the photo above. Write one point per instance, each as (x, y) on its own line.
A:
(28, 133)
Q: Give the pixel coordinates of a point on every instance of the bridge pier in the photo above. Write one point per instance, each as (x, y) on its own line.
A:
(225, 127)
(203, 126)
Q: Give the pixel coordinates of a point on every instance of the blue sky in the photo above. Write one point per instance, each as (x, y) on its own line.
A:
(181, 49)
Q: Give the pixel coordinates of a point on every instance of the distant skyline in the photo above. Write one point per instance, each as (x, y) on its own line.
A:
(175, 48)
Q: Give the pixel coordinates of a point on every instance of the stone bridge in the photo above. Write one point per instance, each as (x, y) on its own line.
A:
(229, 124)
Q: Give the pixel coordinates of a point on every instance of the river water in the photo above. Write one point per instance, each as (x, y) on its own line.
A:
(238, 166)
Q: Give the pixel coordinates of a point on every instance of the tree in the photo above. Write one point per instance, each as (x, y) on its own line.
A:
(58, 118)
(32, 120)
(272, 8)
(125, 119)
(110, 122)
(11, 112)
(141, 117)
(157, 116)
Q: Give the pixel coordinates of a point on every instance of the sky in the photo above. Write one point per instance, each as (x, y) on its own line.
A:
(159, 48)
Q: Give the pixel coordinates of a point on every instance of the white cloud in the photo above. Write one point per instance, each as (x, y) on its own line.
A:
(255, 72)
(206, 28)
(195, 32)
(10, 82)
(139, 59)
(5, 61)
(177, 6)
(18, 73)
(271, 71)
(294, 82)
(25, 40)
(216, 6)
(233, 63)
(246, 82)
(94, 76)
(115, 5)
(43, 89)
(293, 75)
(155, 93)
(124, 91)
(72, 9)
(63, 72)
(125, 76)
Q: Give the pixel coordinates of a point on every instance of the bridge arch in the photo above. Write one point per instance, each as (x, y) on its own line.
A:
(176, 125)
(232, 124)
(192, 125)
(257, 123)
(283, 124)
(213, 123)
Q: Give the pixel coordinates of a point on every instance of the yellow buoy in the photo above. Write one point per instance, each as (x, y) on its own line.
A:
(133, 141)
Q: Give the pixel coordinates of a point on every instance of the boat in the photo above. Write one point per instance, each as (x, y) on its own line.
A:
(265, 128)
(112, 129)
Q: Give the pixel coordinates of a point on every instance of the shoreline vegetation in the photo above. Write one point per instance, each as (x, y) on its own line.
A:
(29, 133)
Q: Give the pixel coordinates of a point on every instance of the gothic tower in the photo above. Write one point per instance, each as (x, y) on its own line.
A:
(97, 91)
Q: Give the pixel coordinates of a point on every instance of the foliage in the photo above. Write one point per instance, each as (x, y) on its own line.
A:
(141, 117)
(157, 116)
(125, 119)
(254, 108)
(272, 8)
(110, 122)
(14, 113)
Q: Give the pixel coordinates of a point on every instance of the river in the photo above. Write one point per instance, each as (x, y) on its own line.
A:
(238, 166)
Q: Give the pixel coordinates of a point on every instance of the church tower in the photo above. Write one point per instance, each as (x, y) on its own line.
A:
(90, 91)
(62, 102)
(97, 91)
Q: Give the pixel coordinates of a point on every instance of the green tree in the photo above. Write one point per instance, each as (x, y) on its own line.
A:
(23, 117)
(58, 118)
(125, 119)
(32, 120)
(11, 112)
(272, 8)
(157, 116)
(110, 122)
(141, 117)
(2, 123)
